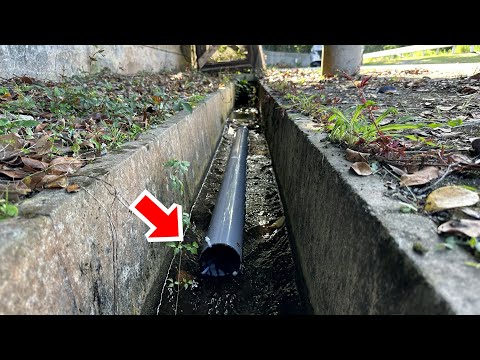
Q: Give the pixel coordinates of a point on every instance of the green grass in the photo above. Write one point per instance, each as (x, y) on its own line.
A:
(443, 57)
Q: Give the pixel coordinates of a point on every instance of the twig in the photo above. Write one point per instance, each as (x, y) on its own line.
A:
(165, 283)
(178, 279)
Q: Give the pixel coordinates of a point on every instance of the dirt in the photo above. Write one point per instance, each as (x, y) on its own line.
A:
(266, 283)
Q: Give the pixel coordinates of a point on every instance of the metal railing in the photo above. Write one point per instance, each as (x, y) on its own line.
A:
(405, 50)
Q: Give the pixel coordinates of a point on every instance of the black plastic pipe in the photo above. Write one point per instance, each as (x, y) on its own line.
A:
(222, 253)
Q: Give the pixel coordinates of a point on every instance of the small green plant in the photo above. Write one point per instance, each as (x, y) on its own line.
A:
(182, 283)
(353, 125)
(7, 210)
(177, 169)
(308, 104)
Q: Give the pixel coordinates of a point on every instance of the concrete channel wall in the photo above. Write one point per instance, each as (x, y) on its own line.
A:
(54, 61)
(85, 252)
(352, 244)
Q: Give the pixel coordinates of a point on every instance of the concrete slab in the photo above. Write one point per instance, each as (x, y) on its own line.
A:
(352, 244)
(86, 253)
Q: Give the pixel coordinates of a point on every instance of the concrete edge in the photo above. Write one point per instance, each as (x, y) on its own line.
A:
(86, 253)
(351, 242)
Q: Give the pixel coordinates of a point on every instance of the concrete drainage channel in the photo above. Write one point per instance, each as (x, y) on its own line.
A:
(86, 253)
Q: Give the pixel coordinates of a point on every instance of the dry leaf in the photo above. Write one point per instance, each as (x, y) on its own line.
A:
(471, 212)
(54, 181)
(41, 126)
(43, 146)
(11, 142)
(34, 164)
(397, 171)
(9, 156)
(354, 156)
(16, 187)
(446, 108)
(362, 168)
(64, 165)
(420, 177)
(469, 89)
(14, 173)
(32, 181)
(278, 223)
(449, 197)
(460, 159)
(25, 79)
(470, 228)
(426, 113)
(73, 188)
(87, 144)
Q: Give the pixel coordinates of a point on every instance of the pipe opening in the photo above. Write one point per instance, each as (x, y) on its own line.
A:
(219, 260)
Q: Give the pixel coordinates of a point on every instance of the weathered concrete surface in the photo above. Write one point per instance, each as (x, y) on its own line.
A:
(279, 58)
(53, 61)
(338, 58)
(86, 253)
(352, 244)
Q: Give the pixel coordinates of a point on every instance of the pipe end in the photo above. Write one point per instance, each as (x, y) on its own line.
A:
(219, 260)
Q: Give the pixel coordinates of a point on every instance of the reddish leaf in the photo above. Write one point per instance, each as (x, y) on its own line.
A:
(73, 188)
(25, 79)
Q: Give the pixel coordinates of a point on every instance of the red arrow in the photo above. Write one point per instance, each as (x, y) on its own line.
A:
(165, 224)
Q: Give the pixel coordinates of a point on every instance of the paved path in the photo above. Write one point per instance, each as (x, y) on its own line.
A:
(435, 70)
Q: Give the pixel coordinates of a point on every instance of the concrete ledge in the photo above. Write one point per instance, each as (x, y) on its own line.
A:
(352, 244)
(85, 253)
(54, 61)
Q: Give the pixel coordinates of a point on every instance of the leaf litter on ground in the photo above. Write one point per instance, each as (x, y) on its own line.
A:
(49, 130)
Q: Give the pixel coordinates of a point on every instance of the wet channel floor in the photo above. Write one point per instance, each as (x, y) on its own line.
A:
(266, 284)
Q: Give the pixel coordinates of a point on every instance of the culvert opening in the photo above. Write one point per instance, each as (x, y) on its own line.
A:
(266, 280)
